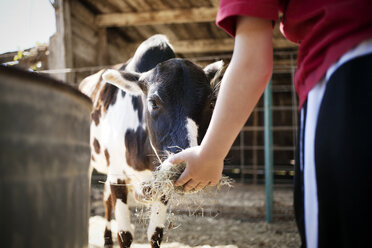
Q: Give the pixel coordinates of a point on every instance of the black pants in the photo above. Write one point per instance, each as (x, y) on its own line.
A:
(343, 159)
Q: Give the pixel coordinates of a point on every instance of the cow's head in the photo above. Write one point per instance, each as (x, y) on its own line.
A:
(179, 97)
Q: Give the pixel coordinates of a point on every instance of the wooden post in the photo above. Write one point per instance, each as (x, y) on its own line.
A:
(61, 55)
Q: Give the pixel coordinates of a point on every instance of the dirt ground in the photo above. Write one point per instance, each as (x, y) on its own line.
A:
(228, 218)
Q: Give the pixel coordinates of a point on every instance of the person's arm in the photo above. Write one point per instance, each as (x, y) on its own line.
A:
(242, 86)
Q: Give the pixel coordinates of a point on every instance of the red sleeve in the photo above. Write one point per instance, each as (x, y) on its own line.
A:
(229, 9)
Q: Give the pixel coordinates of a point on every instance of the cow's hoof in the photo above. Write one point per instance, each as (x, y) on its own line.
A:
(157, 238)
(109, 244)
(125, 239)
(108, 239)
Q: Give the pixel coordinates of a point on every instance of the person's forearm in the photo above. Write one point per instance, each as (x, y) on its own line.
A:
(242, 85)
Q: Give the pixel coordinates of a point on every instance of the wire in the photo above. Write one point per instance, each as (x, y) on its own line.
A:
(70, 70)
(277, 69)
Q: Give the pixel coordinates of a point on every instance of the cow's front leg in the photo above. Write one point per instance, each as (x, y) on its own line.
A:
(157, 220)
(119, 194)
(108, 210)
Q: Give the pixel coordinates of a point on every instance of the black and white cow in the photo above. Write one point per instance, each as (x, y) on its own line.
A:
(150, 106)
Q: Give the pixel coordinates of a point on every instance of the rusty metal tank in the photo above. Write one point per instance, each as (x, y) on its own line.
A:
(44, 162)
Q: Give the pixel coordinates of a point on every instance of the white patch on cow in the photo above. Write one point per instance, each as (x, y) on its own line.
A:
(122, 215)
(114, 77)
(214, 66)
(108, 225)
(110, 133)
(157, 218)
(89, 84)
(192, 132)
(106, 191)
(137, 177)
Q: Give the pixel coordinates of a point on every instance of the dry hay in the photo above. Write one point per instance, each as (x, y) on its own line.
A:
(162, 187)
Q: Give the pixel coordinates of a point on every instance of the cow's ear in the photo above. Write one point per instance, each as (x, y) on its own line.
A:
(214, 73)
(127, 81)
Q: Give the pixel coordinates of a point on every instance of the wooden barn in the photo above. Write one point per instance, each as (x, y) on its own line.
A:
(93, 34)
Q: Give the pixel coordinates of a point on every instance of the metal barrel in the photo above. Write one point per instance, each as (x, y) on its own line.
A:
(44, 162)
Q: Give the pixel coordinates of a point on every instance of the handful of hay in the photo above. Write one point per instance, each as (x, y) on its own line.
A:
(162, 186)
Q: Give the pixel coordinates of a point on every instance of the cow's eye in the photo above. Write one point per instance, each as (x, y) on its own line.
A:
(153, 105)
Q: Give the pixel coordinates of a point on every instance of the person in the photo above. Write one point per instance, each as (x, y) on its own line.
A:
(334, 84)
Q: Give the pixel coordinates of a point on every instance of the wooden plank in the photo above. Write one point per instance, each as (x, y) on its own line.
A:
(101, 6)
(102, 47)
(283, 43)
(53, 57)
(80, 61)
(159, 5)
(84, 50)
(180, 31)
(81, 13)
(217, 32)
(199, 31)
(116, 39)
(201, 46)
(179, 4)
(184, 47)
(157, 17)
(215, 3)
(200, 3)
(119, 54)
(284, 62)
(83, 31)
(114, 52)
(121, 5)
(68, 38)
(218, 45)
(146, 31)
(131, 34)
(164, 29)
(119, 50)
(139, 5)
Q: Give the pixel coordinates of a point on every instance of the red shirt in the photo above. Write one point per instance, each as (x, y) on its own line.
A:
(325, 29)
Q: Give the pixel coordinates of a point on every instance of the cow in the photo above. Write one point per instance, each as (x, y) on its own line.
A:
(151, 106)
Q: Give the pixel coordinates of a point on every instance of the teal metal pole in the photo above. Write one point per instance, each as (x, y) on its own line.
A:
(269, 162)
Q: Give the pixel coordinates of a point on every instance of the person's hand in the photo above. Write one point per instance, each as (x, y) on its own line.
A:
(201, 170)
